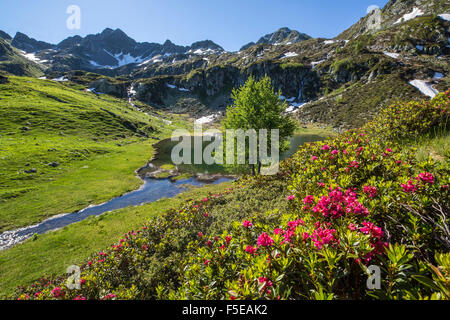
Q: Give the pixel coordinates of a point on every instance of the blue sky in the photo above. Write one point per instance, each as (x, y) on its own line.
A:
(230, 23)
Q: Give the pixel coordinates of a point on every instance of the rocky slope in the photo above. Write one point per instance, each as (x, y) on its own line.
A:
(399, 52)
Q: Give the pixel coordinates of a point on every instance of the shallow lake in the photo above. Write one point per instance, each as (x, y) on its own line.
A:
(165, 147)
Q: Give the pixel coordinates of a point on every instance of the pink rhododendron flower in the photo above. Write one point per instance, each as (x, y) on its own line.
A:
(326, 147)
(292, 225)
(278, 231)
(425, 177)
(57, 292)
(410, 187)
(265, 240)
(228, 239)
(250, 250)
(354, 164)
(322, 237)
(247, 224)
(206, 262)
(373, 230)
(337, 204)
(334, 152)
(267, 282)
(290, 198)
(353, 227)
(314, 158)
(370, 191)
(308, 200)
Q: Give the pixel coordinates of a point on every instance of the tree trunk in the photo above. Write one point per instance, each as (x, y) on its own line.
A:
(253, 169)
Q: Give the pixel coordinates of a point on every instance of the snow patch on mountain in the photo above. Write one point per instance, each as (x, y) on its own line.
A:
(392, 54)
(444, 16)
(409, 16)
(315, 63)
(32, 57)
(424, 87)
(289, 55)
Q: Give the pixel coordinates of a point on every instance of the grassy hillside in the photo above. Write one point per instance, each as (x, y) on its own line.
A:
(63, 148)
(309, 232)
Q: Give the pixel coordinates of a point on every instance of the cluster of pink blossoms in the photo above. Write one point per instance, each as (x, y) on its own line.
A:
(373, 230)
(376, 234)
(250, 249)
(426, 177)
(354, 164)
(323, 236)
(57, 292)
(370, 191)
(409, 187)
(247, 224)
(267, 284)
(265, 240)
(109, 296)
(338, 204)
(308, 200)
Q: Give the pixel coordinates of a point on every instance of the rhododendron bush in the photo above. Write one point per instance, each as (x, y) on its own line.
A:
(340, 206)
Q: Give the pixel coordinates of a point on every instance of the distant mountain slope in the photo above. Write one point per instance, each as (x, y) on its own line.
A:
(110, 49)
(15, 62)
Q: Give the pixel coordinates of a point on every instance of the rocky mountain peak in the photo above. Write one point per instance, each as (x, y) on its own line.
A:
(281, 36)
(27, 44)
(206, 47)
(5, 36)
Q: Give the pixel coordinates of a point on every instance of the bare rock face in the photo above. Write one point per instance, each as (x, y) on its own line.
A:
(106, 86)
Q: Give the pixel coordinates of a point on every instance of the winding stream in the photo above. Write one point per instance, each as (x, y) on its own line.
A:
(151, 191)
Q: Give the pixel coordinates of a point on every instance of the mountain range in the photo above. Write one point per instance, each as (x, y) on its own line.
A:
(400, 51)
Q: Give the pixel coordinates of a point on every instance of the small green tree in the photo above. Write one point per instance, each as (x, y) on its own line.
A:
(257, 106)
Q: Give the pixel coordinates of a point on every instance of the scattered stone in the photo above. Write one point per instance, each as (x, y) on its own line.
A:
(3, 79)
(25, 128)
(34, 170)
(53, 164)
